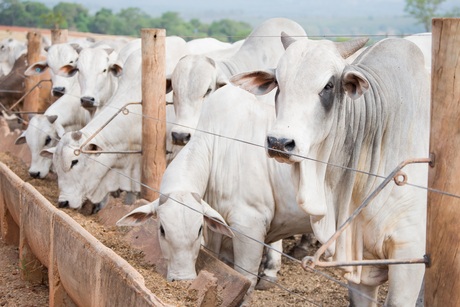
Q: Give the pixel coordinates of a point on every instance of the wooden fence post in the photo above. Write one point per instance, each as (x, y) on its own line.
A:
(59, 36)
(442, 278)
(154, 111)
(31, 101)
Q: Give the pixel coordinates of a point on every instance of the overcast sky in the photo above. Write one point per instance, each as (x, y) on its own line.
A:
(256, 8)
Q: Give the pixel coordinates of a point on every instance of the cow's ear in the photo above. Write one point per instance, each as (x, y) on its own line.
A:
(48, 152)
(256, 82)
(60, 130)
(354, 84)
(67, 71)
(214, 221)
(139, 215)
(116, 69)
(21, 139)
(36, 68)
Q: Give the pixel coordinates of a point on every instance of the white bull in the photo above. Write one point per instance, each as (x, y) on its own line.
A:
(197, 76)
(233, 182)
(369, 115)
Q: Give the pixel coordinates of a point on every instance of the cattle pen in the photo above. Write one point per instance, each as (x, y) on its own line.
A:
(21, 207)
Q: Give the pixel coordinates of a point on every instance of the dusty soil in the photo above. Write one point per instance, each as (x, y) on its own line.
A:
(296, 286)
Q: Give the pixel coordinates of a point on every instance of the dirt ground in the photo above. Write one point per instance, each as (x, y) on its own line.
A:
(296, 286)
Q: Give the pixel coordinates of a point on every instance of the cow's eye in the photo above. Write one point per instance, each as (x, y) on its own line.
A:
(200, 230)
(329, 86)
(105, 70)
(48, 140)
(162, 231)
(73, 163)
(208, 92)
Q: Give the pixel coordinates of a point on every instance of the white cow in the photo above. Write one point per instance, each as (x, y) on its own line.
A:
(10, 50)
(97, 75)
(197, 76)
(233, 182)
(423, 41)
(58, 55)
(92, 176)
(44, 131)
(369, 115)
(205, 44)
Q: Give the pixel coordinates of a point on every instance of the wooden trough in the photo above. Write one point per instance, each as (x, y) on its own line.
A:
(80, 270)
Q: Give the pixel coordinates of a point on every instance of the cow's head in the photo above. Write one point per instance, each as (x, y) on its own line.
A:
(97, 75)
(58, 55)
(311, 82)
(193, 80)
(43, 132)
(181, 218)
(81, 176)
(311, 85)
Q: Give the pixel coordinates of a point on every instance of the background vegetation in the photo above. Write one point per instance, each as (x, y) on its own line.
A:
(128, 22)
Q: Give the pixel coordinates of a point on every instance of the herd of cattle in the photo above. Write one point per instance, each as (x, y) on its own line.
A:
(323, 109)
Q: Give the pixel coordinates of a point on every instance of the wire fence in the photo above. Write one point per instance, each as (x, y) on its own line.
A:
(290, 258)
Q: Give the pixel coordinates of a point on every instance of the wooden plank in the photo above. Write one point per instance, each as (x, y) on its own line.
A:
(154, 111)
(59, 36)
(31, 101)
(442, 282)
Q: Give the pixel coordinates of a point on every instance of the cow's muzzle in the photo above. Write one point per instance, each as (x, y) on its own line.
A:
(88, 102)
(280, 148)
(58, 91)
(180, 139)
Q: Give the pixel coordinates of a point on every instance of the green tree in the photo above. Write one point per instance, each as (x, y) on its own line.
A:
(423, 10)
(76, 17)
(229, 30)
(12, 12)
(33, 12)
(133, 20)
(103, 22)
(55, 21)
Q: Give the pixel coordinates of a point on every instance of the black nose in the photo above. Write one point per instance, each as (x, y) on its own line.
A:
(63, 204)
(280, 147)
(34, 174)
(180, 138)
(58, 91)
(87, 102)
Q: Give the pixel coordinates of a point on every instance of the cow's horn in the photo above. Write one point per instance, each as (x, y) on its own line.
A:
(76, 135)
(349, 47)
(286, 40)
(51, 118)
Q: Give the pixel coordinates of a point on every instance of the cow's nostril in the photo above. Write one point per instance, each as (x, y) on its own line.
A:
(63, 204)
(289, 145)
(271, 141)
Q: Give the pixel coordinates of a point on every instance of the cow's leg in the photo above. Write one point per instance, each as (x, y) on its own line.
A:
(307, 241)
(362, 295)
(271, 266)
(405, 282)
(248, 252)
